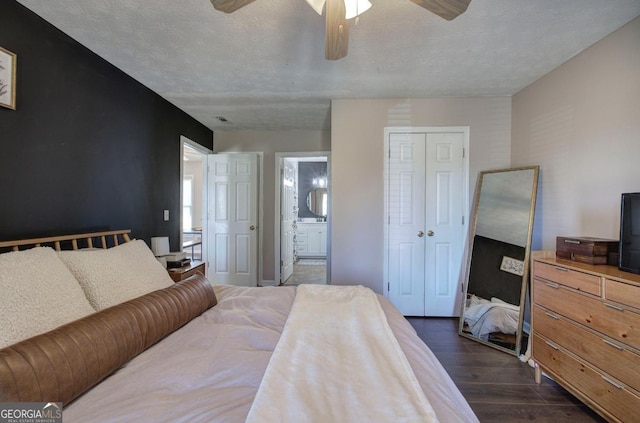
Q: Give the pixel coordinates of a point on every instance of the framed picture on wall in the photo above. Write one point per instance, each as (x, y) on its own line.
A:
(512, 265)
(7, 79)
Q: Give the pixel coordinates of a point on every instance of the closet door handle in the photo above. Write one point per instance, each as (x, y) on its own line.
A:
(420, 234)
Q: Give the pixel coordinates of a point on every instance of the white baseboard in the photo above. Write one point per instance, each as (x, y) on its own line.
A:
(268, 283)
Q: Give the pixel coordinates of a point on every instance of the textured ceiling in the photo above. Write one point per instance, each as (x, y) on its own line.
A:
(263, 66)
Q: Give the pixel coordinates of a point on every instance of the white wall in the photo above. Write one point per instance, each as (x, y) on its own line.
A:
(581, 124)
(270, 142)
(357, 157)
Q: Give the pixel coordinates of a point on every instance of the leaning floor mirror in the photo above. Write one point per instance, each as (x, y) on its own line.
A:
(497, 269)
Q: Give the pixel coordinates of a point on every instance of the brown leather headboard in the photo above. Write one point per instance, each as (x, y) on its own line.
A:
(59, 365)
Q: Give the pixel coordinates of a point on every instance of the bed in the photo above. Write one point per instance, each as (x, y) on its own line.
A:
(112, 339)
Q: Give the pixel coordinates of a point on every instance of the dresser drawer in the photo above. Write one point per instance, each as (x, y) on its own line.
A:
(618, 323)
(572, 278)
(601, 391)
(609, 356)
(623, 293)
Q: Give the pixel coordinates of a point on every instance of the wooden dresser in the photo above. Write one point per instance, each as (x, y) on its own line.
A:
(586, 332)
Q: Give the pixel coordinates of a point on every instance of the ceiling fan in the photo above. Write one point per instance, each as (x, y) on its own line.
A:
(337, 15)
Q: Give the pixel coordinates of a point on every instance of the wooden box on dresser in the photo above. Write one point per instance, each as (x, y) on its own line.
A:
(585, 328)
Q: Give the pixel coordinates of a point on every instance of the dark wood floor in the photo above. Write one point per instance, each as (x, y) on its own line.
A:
(497, 385)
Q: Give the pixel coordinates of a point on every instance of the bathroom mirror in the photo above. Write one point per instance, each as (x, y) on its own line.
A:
(317, 201)
(497, 269)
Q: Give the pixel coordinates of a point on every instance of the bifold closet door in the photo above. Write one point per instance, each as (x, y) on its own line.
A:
(425, 221)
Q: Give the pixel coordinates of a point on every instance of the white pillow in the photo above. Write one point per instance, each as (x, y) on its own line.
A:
(37, 294)
(118, 274)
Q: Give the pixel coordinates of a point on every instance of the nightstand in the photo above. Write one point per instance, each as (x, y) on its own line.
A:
(184, 272)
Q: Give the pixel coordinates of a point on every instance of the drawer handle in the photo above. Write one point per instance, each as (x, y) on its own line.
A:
(572, 241)
(616, 346)
(615, 307)
(562, 269)
(617, 385)
(553, 285)
(553, 316)
(551, 345)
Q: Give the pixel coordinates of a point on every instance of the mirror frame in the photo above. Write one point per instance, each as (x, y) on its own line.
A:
(525, 276)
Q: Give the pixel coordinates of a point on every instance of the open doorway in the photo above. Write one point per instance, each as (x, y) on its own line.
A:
(193, 195)
(302, 218)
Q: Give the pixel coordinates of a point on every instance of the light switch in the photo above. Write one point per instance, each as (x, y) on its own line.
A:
(166, 215)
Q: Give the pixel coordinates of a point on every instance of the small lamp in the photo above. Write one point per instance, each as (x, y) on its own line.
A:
(160, 245)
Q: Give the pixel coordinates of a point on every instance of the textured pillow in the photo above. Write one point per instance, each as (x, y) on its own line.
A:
(37, 294)
(61, 364)
(113, 276)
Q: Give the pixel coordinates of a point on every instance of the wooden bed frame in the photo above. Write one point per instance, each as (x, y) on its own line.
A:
(87, 240)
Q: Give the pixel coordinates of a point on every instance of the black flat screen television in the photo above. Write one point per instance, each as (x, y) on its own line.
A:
(629, 259)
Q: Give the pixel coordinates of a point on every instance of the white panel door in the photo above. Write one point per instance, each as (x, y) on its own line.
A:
(443, 260)
(425, 221)
(287, 219)
(407, 214)
(233, 215)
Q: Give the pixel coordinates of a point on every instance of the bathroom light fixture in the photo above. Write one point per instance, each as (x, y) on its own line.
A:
(319, 182)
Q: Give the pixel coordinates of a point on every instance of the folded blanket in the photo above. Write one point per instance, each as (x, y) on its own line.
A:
(338, 360)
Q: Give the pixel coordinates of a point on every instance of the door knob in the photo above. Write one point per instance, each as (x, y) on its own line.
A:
(420, 234)
(252, 227)
(430, 233)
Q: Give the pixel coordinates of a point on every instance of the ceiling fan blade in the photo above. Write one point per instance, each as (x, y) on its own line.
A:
(229, 6)
(447, 9)
(336, 36)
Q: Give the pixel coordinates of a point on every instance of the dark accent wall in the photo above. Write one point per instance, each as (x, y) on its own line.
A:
(88, 146)
(486, 280)
(306, 172)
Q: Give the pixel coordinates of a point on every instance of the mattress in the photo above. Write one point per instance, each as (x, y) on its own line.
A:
(210, 370)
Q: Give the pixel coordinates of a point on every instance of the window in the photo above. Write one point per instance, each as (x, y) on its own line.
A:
(187, 203)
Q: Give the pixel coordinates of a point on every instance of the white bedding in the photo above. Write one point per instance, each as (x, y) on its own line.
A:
(320, 374)
(210, 370)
